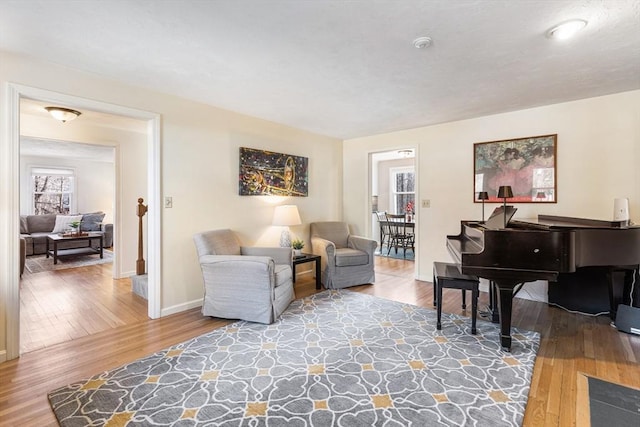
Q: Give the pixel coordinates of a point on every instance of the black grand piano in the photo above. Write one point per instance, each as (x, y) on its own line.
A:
(548, 248)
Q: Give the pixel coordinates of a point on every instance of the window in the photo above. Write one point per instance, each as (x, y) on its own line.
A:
(52, 190)
(403, 190)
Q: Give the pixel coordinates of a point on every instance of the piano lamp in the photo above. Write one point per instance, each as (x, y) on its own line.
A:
(285, 216)
(504, 193)
(483, 195)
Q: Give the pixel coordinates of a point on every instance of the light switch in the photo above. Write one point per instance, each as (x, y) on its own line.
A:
(168, 202)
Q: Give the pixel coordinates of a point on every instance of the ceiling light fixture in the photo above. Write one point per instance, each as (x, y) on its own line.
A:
(566, 29)
(422, 42)
(405, 153)
(63, 114)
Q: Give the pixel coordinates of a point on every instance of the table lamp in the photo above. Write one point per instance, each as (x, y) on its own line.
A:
(504, 193)
(483, 195)
(285, 216)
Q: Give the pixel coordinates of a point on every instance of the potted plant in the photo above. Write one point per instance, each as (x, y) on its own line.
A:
(76, 227)
(297, 246)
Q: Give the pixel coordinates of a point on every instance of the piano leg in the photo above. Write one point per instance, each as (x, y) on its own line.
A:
(493, 305)
(505, 302)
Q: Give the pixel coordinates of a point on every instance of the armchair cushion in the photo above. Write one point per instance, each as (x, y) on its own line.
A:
(348, 256)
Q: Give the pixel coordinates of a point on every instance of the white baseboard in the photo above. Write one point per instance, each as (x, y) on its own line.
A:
(181, 307)
(424, 278)
(3, 356)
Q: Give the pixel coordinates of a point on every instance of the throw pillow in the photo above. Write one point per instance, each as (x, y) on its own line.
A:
(92, 221)
(63, 221)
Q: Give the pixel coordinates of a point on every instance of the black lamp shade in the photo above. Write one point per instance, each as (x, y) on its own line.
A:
(483, 195)
(505, 192)
(541, 195)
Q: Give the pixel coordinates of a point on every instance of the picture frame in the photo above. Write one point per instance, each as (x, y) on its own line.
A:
(528, 165)
(264, 173)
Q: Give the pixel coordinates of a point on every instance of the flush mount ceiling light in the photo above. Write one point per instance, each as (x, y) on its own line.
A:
(405, 153)
(566, 29)
(422, 42)
(63, 114)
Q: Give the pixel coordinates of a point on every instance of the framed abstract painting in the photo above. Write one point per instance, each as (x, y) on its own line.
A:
(267, 173)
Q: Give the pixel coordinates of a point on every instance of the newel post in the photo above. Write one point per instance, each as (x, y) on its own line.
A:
(140, 264)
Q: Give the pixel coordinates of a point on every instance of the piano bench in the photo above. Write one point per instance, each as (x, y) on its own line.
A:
(446, 275)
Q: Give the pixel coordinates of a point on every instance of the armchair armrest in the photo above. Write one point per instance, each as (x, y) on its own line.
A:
(325, 248)
(363, 244)
(279, 255)
(233, 270)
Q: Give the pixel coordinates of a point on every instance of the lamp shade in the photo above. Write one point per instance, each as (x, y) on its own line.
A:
(483, 195)
(505, 192)
(286, 215)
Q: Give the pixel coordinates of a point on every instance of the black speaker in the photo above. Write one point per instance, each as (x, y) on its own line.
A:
(628, 319)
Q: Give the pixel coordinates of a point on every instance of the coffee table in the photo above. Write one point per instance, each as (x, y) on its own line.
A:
(55, 239)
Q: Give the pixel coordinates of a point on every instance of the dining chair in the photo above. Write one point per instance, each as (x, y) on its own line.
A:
(399, 236)
(384, 229)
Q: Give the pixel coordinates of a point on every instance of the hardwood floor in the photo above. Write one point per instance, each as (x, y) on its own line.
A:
(570, 343)
(63, 305)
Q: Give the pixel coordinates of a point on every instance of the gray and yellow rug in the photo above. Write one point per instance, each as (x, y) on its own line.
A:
(337, 358)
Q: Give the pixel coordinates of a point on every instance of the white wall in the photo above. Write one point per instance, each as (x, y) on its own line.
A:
(200, 147)
(598, 161)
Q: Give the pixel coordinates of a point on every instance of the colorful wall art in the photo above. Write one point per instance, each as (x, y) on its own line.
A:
(268, 173)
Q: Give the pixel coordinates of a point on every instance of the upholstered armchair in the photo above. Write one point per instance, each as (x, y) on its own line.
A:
(248, 283)
(347, 260)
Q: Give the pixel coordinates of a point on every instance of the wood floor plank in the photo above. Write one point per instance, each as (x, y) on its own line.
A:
(569, 342)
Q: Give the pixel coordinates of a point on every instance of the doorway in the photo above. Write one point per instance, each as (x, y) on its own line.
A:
(393, 191)
(9, 228)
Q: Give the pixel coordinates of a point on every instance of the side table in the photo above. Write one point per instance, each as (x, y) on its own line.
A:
(301, 259)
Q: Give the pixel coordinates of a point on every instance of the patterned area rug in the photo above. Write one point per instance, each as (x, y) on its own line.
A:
(40, 263)
(392, 254)
(337, 358)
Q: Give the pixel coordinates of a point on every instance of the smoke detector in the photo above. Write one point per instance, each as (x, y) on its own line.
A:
(422, 42)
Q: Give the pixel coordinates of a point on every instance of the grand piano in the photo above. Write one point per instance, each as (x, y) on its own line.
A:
(543, 249)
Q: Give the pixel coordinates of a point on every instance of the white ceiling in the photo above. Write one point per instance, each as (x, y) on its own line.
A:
(340, 68)
(66, 150)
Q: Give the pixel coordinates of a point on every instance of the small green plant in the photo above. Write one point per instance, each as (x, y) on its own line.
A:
(74, 224)
(297, 244)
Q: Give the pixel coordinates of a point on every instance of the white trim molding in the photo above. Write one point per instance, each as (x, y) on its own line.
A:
(9, 197)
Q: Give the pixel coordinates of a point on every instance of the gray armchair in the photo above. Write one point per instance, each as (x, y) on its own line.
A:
(347, 260)
(248, 283)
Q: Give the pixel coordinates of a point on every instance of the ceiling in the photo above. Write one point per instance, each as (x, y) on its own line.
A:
(340, 68)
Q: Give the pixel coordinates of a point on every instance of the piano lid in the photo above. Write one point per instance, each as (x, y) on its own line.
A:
(559, 222)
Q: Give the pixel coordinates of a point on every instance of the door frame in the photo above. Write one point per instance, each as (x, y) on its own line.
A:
(9, 197)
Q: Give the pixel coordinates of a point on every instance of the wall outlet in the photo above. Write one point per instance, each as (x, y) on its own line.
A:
(168, 202)
(426, 203)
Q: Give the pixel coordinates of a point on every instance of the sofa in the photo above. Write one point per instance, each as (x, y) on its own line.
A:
(34, 229)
